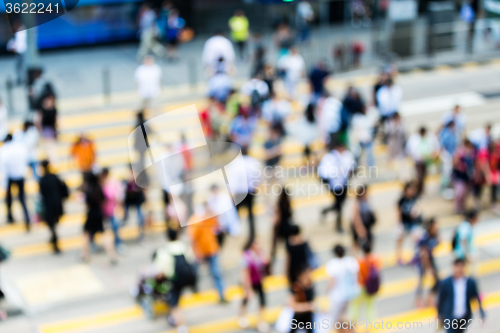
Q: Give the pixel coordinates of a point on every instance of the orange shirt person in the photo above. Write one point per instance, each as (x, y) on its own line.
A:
(205, 245)
(84, 153)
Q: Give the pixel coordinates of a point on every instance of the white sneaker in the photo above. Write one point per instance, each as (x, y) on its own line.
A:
(182, 329)
(243, 322)
(263, 327)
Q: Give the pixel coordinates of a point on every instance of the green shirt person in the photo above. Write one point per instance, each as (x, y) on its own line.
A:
(239, 26)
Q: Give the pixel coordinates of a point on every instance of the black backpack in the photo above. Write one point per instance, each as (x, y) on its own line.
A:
(184, 272)
(255, 98)
(454, 241)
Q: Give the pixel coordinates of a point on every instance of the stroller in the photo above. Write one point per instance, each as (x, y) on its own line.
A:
(152, 293)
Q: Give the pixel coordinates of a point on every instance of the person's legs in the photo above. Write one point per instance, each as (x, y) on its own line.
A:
(126, 208)
(459, 187)
(368, 148)
(140, 220)
(8, 201)
(251, 221)
(33, 166)
(53, 238)
(494, 190)
(340, 196)
(217, 276)
(22, 200)
(115, 226)
(421, 170)
(86, 246)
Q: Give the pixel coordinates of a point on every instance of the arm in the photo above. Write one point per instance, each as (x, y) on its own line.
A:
(475, 294)
(357, 222)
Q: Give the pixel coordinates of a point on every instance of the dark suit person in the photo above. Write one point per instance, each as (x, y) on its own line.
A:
(455, 297)
(53, 192)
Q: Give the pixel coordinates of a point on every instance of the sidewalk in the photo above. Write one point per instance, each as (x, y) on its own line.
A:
(81, 72)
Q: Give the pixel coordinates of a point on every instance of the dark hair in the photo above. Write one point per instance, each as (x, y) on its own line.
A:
(407, 186)
(293, 230)
(422, 130)
(459, 261)
(45, 165)
(105, 171)
(172, 234)
(284, 206)
(8, 138)
(367, 247)
(471, 214)
(27, 124)
(244, 150)
(339, 251)
(309, 113)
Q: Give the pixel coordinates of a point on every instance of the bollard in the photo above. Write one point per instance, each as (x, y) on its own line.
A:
(10, 100)
(106, 84)
(193, 76)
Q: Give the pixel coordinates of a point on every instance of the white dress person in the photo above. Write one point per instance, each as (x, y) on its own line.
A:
(148, 81)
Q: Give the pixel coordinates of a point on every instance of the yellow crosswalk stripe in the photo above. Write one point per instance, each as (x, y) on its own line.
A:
(271, 284)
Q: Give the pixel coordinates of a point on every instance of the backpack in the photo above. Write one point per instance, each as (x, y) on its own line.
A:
(184, 272)
(372, 284)
(454, 241)
(255, 98)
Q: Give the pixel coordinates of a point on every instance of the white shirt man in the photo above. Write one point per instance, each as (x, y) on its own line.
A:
(148, 79)
(422, 148)
(219, 86)
(255, 84)
(294, 66)
(330, 120)
(217, 47)
(336, 167)
(389, 99)
(276, 109)
(14, 158)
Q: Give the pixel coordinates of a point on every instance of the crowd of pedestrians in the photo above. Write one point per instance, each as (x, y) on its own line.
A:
(336, 135)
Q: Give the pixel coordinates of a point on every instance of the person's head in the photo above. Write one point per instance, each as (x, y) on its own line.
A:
(148, 60)
(456, 109)
(214, 188)
(8, 138)
(396, 117)
(366, 248)
(49, 102)
(410, 190)
(422, 131)
(173, 12)
(304, 275)
(239, 12)
(294, 50)
(253, 245)
(363, 193)
(140, 117)
(487, 129)
(321, 65)
(458, 268)
(468, 145)
(451, 125)
(431, 227)
(339, 251)
(309, 113)
(274, 131)
(352, 92)
(167, 4)
(45, 166)
(472, 216)
(244, 150)
(172, 234)
(219, 33)
(389, 82)
(27, 125)
(293, 230)
(104, 173)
